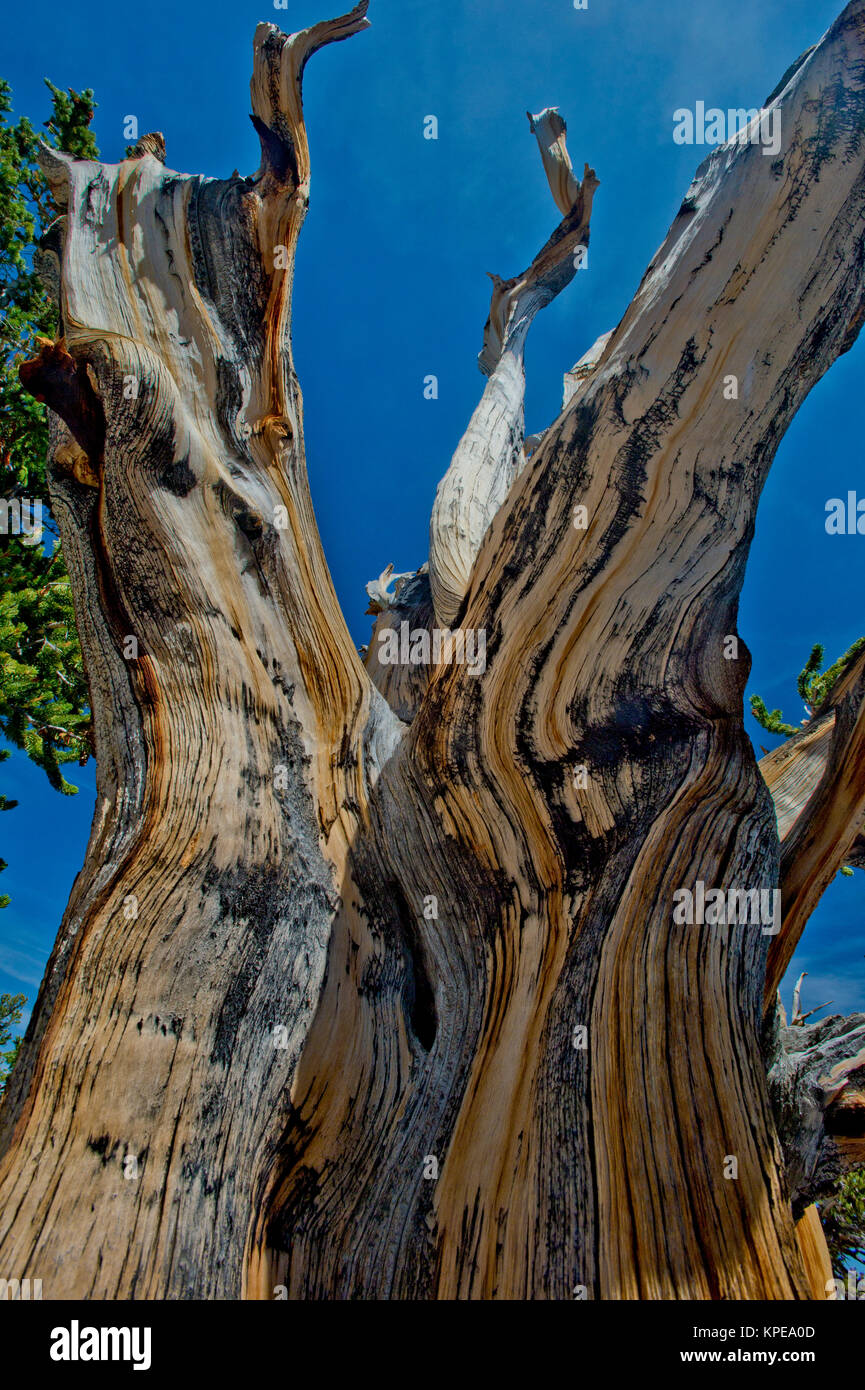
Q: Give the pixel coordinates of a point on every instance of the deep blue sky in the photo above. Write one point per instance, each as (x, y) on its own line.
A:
(390, 286)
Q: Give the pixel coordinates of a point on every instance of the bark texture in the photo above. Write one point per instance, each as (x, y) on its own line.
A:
(817, 780)
(490, 454)
(390, 1001)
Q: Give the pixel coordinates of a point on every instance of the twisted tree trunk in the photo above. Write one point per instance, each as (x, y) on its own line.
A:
(365, 1005)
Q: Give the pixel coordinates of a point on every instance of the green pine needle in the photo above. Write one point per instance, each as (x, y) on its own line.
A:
(44, 702)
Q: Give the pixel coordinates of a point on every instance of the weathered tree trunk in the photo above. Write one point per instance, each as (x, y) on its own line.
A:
(397, 1007)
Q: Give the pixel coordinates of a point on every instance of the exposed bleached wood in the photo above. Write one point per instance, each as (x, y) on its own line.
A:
(817, 1074)
(490, 454)
(550, 131)
(817, 1081)
(609, 653)
(817, 781)
(796, 1016)
(793, 769)
(406, 612)
(588, 363)
(379, 592)
(191, 956)
(815, 1254)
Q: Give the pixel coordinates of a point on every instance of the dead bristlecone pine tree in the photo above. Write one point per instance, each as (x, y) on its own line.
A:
(373, 982)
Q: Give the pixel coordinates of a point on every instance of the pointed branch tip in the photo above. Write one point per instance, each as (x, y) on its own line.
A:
(279, 61)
